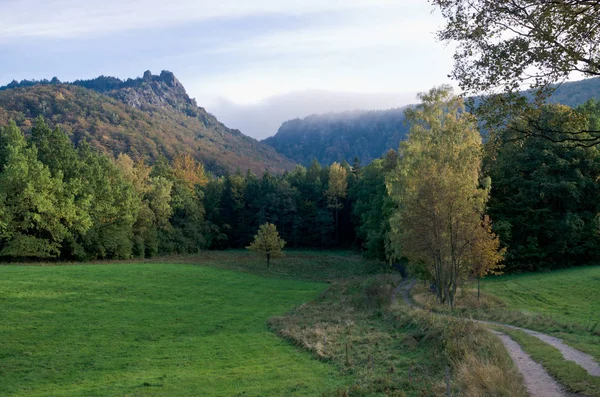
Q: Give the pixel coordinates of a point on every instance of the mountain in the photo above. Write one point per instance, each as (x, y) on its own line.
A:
(146, 117)
(369, 134)
(338, 136)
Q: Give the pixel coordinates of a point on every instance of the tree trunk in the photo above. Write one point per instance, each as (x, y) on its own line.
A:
(478, 290)
(268, 259)
(337, 226)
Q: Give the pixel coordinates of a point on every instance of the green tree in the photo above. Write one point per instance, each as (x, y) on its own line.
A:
(267, 243)
(38, 212)
(336, 191)
(114, 207)
(507, 46)
(437, 188)
(544, 199)
(373, 207)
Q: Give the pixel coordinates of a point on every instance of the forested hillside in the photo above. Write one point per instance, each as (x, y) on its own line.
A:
(340, 136)
(145, 118)
(369, 134)
(62, 201)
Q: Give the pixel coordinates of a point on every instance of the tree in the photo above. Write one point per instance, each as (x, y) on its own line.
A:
(336, 190)
(507, 46)
(441, 202)
(267, 243)
(486, 246)
(38, 211)
(544, 198)
(186, 169)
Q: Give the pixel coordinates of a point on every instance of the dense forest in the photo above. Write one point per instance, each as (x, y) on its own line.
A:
(369, 134)
(59, 200)
(146, 118)
(338, 136)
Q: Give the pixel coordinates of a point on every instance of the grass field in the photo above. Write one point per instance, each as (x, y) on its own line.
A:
(151, 329)
(569, 296)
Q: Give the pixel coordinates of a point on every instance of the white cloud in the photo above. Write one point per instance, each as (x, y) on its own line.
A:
(76, 18)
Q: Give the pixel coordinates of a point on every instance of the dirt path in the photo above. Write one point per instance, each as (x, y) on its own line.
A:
(580, 358)
(537, 381)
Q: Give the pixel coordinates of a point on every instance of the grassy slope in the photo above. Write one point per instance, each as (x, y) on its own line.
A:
(150, 329)
(566, 303)
(393, 351)
(570, 295)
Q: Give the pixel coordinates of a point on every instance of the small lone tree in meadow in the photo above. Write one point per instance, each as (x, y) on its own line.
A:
(267, 243)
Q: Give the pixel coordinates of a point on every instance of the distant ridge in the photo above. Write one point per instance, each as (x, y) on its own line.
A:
(147, 117)
(369, 134)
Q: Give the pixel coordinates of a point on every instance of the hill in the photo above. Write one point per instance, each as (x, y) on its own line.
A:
(144, 117)
(338, 136)
(369, 134)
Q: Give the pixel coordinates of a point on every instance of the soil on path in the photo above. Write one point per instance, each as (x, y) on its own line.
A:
(537, 381)
(580, 358)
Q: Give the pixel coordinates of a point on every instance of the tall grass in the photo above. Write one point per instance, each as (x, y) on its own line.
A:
(395, 351)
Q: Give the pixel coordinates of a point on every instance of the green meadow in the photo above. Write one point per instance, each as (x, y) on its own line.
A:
(569, 295)
(151, 329)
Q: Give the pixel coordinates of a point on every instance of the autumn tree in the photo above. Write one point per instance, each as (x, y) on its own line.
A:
(267, 243)
(188, 170)
(504, 47)
(336, 191)
(441, 200)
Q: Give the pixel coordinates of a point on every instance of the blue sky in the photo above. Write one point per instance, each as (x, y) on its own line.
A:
(254, 64)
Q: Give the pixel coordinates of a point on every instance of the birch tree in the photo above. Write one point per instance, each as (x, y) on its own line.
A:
(439, 223)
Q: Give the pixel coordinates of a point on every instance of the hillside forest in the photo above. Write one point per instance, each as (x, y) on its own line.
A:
(66, 201)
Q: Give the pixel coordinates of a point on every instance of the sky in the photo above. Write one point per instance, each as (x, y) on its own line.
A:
(253, 64)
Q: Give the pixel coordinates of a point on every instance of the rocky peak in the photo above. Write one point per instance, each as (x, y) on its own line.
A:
(161, 91)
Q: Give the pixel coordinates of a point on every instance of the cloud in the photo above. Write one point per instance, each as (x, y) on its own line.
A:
(263, 119)
(75, 18)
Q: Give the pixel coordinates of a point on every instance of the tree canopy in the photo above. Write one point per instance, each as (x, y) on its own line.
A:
(267, 243)
(506, 46)
(440, 221)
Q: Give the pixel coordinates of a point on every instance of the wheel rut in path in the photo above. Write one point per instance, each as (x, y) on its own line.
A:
(569, 353)
(538, 382)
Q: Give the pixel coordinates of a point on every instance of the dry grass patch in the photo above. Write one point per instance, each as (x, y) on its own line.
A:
(394, 351)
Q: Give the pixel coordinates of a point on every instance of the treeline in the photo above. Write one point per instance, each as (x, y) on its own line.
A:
(544, 198)
(65, 202)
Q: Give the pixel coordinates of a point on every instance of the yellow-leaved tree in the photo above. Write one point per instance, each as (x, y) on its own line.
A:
(440, 222)
(267, 243)
(336, 191)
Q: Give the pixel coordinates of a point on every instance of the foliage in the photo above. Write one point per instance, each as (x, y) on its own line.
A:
(505, 46)
(440, 220)
(334, 137)
(373, 208)
(145, 118)
(544, 196)
(337, 189)
(38, 210)
(267, 243)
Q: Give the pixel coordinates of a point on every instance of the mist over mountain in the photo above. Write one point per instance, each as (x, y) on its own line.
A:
(369, 134)
(145, 117)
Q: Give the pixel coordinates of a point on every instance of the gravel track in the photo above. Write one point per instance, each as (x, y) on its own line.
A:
(538, 382)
